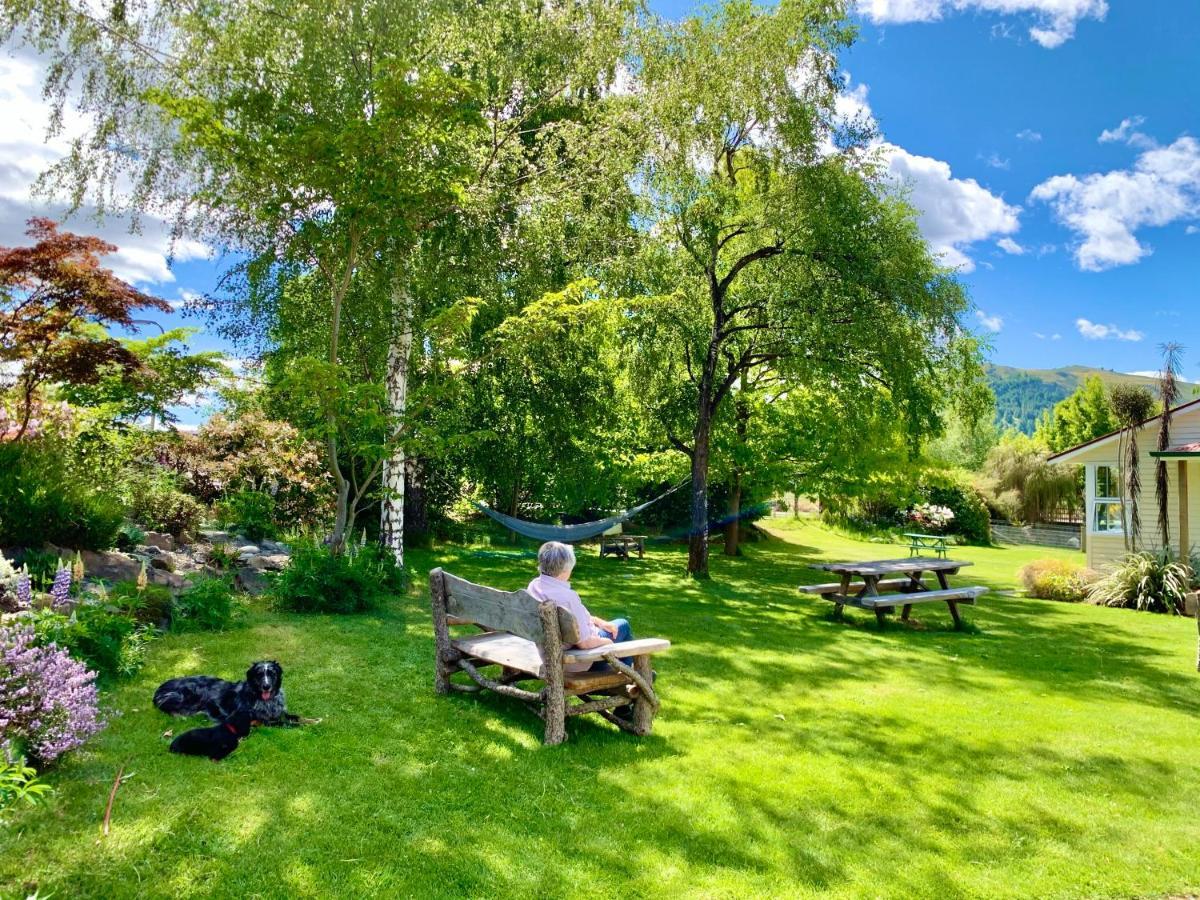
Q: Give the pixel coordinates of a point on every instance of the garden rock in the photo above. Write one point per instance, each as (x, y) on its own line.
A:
(215, 537)
(159, 540)
(252, 581)
(166, 579)
(109, 565)
(163, 562)
(275, 562)
(248, 550)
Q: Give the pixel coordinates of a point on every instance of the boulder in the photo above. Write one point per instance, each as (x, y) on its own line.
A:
(248, 550)
(274, 547)
(252, 581)
(166, 579)
(110, 565)
(160, 540)
(273, 562)
(215, 537)
(164, 561)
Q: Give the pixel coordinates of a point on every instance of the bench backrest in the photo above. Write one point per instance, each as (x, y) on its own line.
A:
(517, 612)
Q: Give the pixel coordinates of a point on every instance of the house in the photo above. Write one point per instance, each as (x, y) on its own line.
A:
(1106, 520)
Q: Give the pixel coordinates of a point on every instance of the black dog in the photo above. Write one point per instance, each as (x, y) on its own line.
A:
(261, 695)
(216, 742)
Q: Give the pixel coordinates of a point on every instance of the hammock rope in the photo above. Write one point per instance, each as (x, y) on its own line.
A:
(570, 534)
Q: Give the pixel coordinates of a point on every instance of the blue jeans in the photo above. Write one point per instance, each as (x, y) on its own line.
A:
(624, 633)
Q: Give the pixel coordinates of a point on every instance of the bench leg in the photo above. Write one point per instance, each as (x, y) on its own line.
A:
(879, 616)
(838, 610)
(643, 712)
(954, 615)
(904, 612)
(554, 709)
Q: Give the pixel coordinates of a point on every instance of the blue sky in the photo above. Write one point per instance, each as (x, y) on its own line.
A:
(1050, 146)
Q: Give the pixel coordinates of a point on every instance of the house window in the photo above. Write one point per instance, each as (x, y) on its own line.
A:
(1107, 517)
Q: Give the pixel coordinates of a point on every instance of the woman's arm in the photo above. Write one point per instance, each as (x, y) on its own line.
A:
(590, 643)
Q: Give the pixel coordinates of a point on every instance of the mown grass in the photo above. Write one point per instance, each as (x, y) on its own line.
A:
(1044, 752)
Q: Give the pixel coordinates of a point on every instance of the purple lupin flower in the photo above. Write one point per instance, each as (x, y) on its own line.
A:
(61, 590)
(48, 701)
(24, 589)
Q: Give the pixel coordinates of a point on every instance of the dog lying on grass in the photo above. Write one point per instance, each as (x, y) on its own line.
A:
(261, 695)
(217, 741)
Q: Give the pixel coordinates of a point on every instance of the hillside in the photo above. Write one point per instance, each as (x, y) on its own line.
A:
(1024, 394)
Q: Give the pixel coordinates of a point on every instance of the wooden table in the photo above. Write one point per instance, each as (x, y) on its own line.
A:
(621, 544)
(919, 542)
(905, 586)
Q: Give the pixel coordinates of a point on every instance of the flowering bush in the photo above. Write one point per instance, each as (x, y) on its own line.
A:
(1056, 579)
(48, 701)
(931, 517)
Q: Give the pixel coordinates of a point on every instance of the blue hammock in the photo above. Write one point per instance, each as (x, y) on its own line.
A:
(570, 534)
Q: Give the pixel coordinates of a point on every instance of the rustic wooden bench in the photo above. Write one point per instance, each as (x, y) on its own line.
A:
(526, 639)
(887, 584)
(880, 603)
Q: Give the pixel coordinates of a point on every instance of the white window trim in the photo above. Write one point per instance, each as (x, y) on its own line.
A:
(1093, 501)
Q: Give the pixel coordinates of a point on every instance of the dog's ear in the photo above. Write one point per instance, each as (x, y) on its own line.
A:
(277, 669)
(250, 672)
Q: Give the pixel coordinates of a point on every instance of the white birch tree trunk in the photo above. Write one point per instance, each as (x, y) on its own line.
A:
(391, 524)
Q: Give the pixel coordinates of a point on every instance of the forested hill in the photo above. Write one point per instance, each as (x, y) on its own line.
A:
(1023, 394)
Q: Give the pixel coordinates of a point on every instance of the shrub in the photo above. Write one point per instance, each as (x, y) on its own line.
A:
(99, 636)
(48, 702)
(129, 536)
(251, 513)
(206, 605)
(1055, 579)
(147, 605)
(158, 503)
(971, 519)
(318, 580)
(18, 784)
(1154, 582)
(42, 502)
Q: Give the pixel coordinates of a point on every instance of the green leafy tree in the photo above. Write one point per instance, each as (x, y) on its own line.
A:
(1081, 417)
(767, 247)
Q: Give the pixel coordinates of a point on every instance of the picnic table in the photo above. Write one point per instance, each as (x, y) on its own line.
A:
(920, 542)
(622, 544)
(887, 583)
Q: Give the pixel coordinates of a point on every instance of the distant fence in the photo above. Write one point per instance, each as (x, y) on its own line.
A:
(1045, 535)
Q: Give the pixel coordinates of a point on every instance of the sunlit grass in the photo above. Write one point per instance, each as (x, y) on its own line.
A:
(1044, 752)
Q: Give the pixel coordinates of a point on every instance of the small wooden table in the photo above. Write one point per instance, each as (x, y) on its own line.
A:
(906, 585)
(621, 544)
(919, 542)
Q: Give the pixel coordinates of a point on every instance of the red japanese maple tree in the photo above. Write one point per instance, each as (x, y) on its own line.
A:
(49, 292)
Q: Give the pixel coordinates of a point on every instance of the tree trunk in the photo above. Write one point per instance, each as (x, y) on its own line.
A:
(698, 537)
(733, 510)
(337, 540)
(391, 516)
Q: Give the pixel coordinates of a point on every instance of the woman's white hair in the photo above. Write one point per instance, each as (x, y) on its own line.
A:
(555, 558)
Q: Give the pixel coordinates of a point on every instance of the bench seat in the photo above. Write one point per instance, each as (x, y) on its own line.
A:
(966, 595)
(835, 587)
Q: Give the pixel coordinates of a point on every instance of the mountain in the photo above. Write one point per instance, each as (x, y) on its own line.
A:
(1022, 395)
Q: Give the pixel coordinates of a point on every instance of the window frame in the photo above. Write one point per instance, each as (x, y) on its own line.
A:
(1095, 500)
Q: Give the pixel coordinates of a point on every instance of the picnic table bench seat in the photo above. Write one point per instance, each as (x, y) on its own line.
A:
(835, 587)
(526, 639)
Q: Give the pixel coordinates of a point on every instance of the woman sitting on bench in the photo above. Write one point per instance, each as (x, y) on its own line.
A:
(553, 585)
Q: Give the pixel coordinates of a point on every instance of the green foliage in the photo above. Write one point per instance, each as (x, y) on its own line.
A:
(19, 784)
(207, 604)
(97, 634)
(129, 536)
(42, 502)
(1153, 582)
(251, 513)
(1022, 399)
(149, 605)
(157, 502)
(1056, 579)
(318, 580)
(1085, 415)
(955, 491)
(223, 556)
(1022, 486)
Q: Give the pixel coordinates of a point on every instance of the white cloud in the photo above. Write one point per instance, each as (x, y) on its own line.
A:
(995, 161)
(143, 258)
(953, 212)
(1008, 245)
(1192, 229)
(1028, 134)
(1127, 133)
(1105, 210)
(991, 323)
(1055, 20)
(1094, 331)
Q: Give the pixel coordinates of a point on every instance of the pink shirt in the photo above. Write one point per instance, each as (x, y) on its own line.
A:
(549, 589)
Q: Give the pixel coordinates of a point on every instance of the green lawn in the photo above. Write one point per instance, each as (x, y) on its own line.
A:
(1046, 751)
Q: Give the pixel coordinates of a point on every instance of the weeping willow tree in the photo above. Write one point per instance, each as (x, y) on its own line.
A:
(1168, 395)
(1132, 406)
(1025, 484)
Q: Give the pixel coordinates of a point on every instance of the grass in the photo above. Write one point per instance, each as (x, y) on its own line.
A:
(1045, 752)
